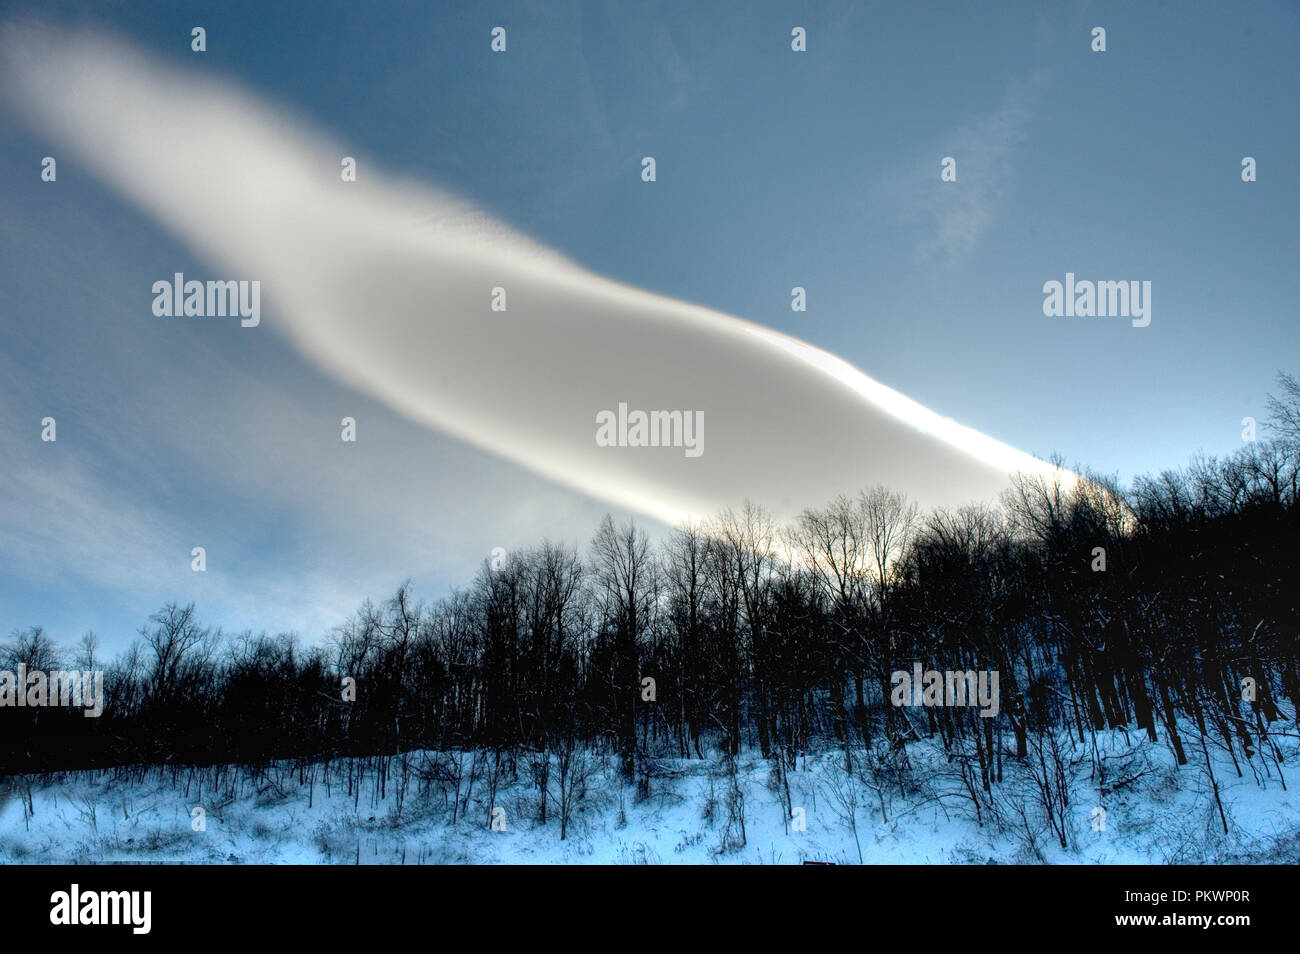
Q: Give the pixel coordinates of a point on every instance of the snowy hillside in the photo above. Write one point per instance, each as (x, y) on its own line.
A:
(435, 808)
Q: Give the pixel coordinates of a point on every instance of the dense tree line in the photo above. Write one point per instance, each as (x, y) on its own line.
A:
(1172, 603)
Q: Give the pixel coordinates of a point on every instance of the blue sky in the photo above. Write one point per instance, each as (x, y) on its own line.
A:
(774, 169)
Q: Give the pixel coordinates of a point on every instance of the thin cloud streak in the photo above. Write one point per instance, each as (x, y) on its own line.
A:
(959, 214)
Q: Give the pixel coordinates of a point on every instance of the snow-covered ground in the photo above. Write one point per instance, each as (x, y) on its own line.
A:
(1154, 813)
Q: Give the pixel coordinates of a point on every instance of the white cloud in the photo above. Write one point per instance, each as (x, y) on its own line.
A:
(386, 286)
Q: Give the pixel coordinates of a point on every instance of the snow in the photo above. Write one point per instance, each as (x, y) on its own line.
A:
(1166, 815)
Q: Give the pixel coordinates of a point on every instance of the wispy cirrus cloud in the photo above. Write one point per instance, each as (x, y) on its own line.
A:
(955, 216)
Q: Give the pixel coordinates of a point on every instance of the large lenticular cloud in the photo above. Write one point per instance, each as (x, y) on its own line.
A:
(387, 285)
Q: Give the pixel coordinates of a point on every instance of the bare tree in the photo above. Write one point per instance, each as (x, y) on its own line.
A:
(624, 576)
(1284, 409)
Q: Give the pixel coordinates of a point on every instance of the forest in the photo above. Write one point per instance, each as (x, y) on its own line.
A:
(1167, 610)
